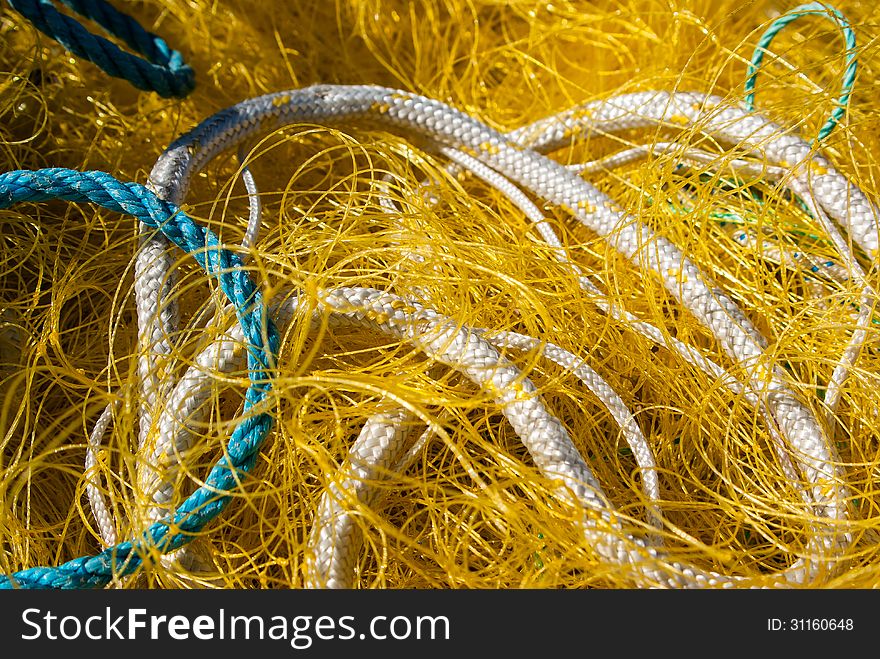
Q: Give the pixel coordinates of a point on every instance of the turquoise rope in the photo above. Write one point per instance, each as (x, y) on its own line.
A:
(849, 75)
(163, 71)
(209, 500)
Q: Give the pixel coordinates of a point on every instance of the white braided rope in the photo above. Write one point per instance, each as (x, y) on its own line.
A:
(842, 200)
(481, 140)
(379, 444)
(333, 541)
(553, 182)
(153, 275)
(850, 270)
(100, 510)
(333, 544)
(690, 354)
(783, 156)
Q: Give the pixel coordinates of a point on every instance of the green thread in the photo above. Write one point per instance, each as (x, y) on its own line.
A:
(849, 74)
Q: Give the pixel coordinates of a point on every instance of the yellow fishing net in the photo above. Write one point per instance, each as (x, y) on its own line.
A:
(472, 511)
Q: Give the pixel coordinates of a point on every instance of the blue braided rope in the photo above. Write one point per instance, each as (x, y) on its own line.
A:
(849, 74)
(163, 71)
(241, 452)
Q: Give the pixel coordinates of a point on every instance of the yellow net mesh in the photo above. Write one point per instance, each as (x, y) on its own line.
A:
(472, 511)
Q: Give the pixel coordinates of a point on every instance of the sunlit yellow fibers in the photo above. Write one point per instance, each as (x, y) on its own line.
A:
(472, 511)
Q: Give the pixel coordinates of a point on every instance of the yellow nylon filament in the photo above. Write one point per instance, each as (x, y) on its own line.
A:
(472, 511)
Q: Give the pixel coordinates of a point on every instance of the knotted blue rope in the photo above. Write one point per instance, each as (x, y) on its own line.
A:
(241, 452)
(849, 74)
(163, 71)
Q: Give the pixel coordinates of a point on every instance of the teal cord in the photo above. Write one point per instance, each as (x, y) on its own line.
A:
(163, 69)
(242, 449)
(849, 75)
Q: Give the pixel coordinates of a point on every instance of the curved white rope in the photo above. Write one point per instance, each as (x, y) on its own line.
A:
(852, 269)
(100, 510)
(789, 158)
(147, 324)
(381, 442)
(551, 181)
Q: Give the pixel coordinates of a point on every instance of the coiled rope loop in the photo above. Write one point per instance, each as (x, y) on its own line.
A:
(849, 74)
(259, 331)
(163, 69)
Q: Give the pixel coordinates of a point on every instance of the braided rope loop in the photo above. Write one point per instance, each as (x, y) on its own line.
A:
(161, 69)
(849, 74)
(209, 500)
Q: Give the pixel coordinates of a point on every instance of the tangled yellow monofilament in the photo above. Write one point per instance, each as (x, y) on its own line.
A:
(472, 510)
